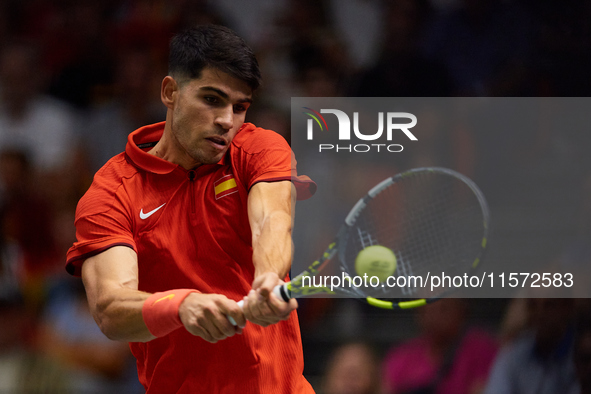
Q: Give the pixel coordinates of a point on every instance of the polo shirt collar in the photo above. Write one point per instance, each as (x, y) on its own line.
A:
(147, 135)
(150, 135)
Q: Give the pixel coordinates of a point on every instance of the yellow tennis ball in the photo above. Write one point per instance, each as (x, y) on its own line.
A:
(376, 260)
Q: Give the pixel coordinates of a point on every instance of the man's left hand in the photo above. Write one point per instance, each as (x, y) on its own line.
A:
(261, 306)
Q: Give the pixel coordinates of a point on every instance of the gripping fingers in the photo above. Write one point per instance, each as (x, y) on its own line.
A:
(204, 334)
(266, 311)
(280, 302)
(249, 307)
(232, 320)
(282, 299)
(201, 331)
(219, 327)
(261, 310)
(207, 328)
(204, 315)
(252, 308)
(224, 327)
(281, 308)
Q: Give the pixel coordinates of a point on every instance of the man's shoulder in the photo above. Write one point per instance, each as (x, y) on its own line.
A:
(252, 139)
(115, 170)
(106, 184)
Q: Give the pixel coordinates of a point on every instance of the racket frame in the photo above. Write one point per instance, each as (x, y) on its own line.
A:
(293, 289)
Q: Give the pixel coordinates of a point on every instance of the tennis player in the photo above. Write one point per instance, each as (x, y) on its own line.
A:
(194, 215)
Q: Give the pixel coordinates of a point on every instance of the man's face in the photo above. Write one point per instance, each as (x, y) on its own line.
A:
(206, 115)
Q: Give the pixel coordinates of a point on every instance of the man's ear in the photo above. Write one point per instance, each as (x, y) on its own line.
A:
(169, 91)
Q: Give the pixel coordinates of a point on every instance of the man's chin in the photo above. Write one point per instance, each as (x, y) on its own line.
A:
(210, 159)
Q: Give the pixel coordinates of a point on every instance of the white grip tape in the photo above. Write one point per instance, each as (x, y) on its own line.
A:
(276, 291)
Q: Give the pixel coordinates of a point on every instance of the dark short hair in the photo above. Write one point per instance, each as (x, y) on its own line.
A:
(212, 46)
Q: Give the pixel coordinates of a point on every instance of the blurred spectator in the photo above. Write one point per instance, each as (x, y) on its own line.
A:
(401, 70)
(17, 324)
(107, 56)
(29, 120)
(320, 59)
(272, 118)
(7, 20)
(108, 123)
(447, 358)
(485, 44)
(445, 140)
(148, 23)
(514, 322)
(70, 341)
(29, 246)
(75, 50)
(576, 257)
(302, 54)
(361, 26)
(353, 369)
(252, 20)
(582, 351)
(540, 360)
(27, 256)
(204, 12)
(563, 54)
(69, 34)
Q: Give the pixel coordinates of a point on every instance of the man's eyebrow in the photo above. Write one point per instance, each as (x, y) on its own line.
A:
(223, 94)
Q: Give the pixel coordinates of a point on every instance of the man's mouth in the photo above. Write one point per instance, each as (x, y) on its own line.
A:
(219, 141)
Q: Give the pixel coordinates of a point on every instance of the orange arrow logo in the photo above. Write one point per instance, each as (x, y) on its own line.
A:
(168, 297)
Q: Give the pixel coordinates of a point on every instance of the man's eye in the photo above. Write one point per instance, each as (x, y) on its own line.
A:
(211, 99)
(239, 108)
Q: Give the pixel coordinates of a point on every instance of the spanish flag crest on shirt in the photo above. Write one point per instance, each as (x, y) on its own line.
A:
(225, 186)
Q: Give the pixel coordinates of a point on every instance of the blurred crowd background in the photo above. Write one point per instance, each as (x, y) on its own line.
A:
(77, 76)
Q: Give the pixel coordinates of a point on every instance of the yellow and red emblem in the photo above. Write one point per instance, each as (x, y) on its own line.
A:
(224, 186)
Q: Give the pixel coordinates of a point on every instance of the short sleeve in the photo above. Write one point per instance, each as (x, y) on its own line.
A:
(102, 222)
(264, 156)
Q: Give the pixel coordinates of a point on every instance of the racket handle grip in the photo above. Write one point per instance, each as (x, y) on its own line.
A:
(279, 292)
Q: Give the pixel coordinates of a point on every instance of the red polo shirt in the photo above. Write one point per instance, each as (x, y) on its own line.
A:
(190, 229)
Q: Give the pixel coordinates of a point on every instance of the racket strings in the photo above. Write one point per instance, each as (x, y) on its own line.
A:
(432, 221)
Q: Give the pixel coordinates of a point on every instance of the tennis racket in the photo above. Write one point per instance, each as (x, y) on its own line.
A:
(432, 219)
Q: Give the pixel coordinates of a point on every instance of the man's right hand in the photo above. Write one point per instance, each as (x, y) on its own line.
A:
(206, 316)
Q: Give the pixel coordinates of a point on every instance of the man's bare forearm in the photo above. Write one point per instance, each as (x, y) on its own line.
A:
(119, 315)
(113, 297)
(271, 218)
(272, 248)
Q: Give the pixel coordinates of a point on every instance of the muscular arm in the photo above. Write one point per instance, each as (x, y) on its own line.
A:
(270, 210)
(111, 282)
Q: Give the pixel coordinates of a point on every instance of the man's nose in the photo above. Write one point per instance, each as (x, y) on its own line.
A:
(225, 118)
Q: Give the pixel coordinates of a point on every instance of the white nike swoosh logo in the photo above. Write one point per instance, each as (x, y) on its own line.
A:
(148, 214)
